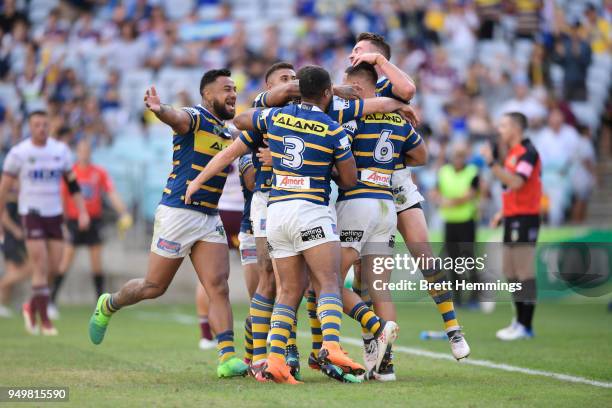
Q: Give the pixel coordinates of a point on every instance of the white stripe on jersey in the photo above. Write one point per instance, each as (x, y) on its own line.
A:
(40, 170)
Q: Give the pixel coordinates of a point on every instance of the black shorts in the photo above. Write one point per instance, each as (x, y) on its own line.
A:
(521, 228)
(14, 249)
(89, 237)
(38, 227)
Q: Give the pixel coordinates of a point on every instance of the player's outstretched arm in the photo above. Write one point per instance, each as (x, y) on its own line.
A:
(381, 105)
(403, 85)
(177, 119)
(221, 160)
(282, 94)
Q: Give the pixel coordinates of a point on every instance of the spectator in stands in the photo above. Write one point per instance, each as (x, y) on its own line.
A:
(538, 69)
(598, 31)
(574, 55)
(10, 15)
(479, 123)
(583, 174)
(128, 52)
(523, 102)
(556, 145)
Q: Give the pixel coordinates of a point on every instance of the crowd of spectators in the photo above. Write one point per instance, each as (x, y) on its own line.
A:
(87, 63)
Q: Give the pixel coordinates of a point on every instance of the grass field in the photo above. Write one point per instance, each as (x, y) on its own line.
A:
(150, 358)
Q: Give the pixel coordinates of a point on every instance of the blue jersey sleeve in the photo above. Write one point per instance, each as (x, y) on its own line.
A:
(385, 88)
(341, 143)
(260, 100)
(344, 110)
(251, 138)
(414, 139)
(262, 119)
(194, 116)
(245, 163)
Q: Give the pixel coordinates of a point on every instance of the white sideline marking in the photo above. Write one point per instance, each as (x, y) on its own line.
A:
(189, 320)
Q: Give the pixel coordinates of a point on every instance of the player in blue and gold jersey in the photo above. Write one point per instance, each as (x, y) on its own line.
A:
(411, 223)
(193, 229)
(381, 142)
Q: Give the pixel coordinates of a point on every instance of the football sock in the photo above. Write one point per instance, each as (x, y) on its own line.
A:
(260, 312)
(98, 280)
(205, 332)
(281, 322)
(315, 324)
(443, 299)
(248, 339)
(329, 310)
(225, 345)
(367, 318)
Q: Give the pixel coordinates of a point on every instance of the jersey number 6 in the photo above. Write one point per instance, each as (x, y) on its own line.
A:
(383, 153)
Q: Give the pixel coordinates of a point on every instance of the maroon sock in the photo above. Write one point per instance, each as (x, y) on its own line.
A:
(205, 328)
(41, 298)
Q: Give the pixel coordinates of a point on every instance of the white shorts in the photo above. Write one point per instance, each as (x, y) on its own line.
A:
(297, 225)
(259, 211)
(367, 225)
(176, 230)
(248, 252)
(405, 192)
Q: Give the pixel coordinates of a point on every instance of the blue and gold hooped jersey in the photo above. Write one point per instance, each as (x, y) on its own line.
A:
(384, 87)
(379, 143)
(304, 143)
(193, 150)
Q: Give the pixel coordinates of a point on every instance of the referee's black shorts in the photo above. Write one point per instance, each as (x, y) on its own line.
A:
(89, 237)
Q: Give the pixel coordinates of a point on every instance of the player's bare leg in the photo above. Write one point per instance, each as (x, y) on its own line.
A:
(290, 290)
(206, 335)
(260, 309)
(211, 262)
(58, 279)
(95, 259)
(14, 273)
(324, 262)
(251, 278)
(412, 225)
(38, 254)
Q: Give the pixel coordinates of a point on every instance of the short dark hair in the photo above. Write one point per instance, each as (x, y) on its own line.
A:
(37, 112)
(363, 69)
(519, 119)
(275, 67)
(378, 41)
(314, 80)
(211, 76)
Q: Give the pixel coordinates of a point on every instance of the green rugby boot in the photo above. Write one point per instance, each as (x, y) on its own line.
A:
(99, 321)
(234, 367)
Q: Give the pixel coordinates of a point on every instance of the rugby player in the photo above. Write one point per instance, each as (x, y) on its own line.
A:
(373, 49)
(366, 213)
(17, 267)
(261, 305)
(94, 182)
(305, 143)
(40, 163)
(193, 229)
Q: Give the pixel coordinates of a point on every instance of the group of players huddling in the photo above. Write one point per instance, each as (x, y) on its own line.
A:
(302, 135)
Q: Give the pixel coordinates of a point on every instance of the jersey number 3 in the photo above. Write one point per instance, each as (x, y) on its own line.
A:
(293, 155)
(383, 153)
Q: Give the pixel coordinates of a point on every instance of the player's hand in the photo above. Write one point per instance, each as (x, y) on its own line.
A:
(487, 153)
(84, 221)
(18, 234)
(408, 113)
(264, 155)
(373, 58)
(347, 91)
(496, 220)
(152, 101)
(192, 188)
(124, 223)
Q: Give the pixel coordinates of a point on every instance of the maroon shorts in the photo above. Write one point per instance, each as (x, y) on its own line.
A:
(39, 227)
(231, 223)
